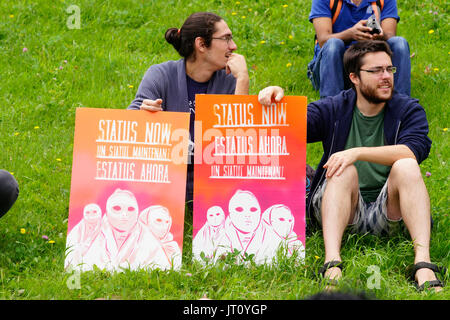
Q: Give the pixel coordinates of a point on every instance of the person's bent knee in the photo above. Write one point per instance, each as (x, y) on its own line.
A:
(334, 45)
(9, 191)
(398, 45)
(405, 169)
(406, 163)
(349, 173)
(347, 179)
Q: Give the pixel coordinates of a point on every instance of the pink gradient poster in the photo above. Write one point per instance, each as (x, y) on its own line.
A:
(127, 195)
(249, 177)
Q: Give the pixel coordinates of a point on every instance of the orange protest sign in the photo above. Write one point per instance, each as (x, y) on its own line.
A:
(249, 177)
(127, 190)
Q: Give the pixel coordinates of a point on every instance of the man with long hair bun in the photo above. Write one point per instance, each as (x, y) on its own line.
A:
(208, 65)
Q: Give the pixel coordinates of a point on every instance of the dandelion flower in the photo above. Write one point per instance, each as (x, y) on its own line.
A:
(58, 159)
(36, 127)
(233, 13)
(51, 241)
(237, 2)
(243, 17)
(282, 42)
(130, 86)
(11, 16)
(445, 129)
(285, 5)
(262, 41)
(288, 65)
(291, 36)
(16, 133)
(317, 257)
(435, 69)
(431, 31)
(23, 231)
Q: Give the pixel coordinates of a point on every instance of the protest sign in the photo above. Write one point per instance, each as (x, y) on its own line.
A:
(249, 177)
(127, 195)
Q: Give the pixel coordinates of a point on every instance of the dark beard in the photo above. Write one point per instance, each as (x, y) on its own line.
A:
(371, 96)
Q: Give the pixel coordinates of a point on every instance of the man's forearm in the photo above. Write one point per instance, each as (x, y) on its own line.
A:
(242, 84)
(346, 36)
(389, 27)
(385, 155)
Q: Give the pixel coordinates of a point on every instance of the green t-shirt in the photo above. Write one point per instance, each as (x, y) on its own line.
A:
(368, 132)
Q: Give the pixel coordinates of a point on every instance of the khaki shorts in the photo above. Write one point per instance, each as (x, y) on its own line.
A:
(369, 217)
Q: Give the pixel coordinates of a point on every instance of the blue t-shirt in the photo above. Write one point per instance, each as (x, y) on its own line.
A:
(350, 14)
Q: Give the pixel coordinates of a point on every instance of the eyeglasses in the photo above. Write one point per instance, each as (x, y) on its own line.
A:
(226, 38)
(380, 70)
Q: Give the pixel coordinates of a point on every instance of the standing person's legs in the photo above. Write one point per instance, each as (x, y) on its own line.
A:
(9, 191)
(401, 59)
(408, 199)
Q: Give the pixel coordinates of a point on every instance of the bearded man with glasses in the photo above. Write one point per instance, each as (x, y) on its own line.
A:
(369, 179)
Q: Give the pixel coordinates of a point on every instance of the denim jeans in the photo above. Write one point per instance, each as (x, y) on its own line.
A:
(326, 71)
(401, 59)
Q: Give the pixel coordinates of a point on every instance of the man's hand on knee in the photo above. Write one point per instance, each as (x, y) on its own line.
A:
(338, 161)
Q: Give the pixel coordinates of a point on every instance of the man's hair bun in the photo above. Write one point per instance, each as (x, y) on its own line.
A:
(198, 24)
(173, 37)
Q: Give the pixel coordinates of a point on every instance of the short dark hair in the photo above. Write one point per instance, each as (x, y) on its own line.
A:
(198, 24)
(354, 54)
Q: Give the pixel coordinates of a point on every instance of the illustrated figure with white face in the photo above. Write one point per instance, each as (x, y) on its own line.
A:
(279, 233)
(122, 215)
(243, 230)
(281, 220)
(83, 234)
(122, 241)
(245, 212)
(208, 236)
(157, 218)
(215, 216)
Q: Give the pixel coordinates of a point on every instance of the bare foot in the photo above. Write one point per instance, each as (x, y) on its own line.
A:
(333, 275)
(423, 275)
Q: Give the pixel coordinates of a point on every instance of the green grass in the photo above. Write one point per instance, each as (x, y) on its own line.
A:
(94, 66)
